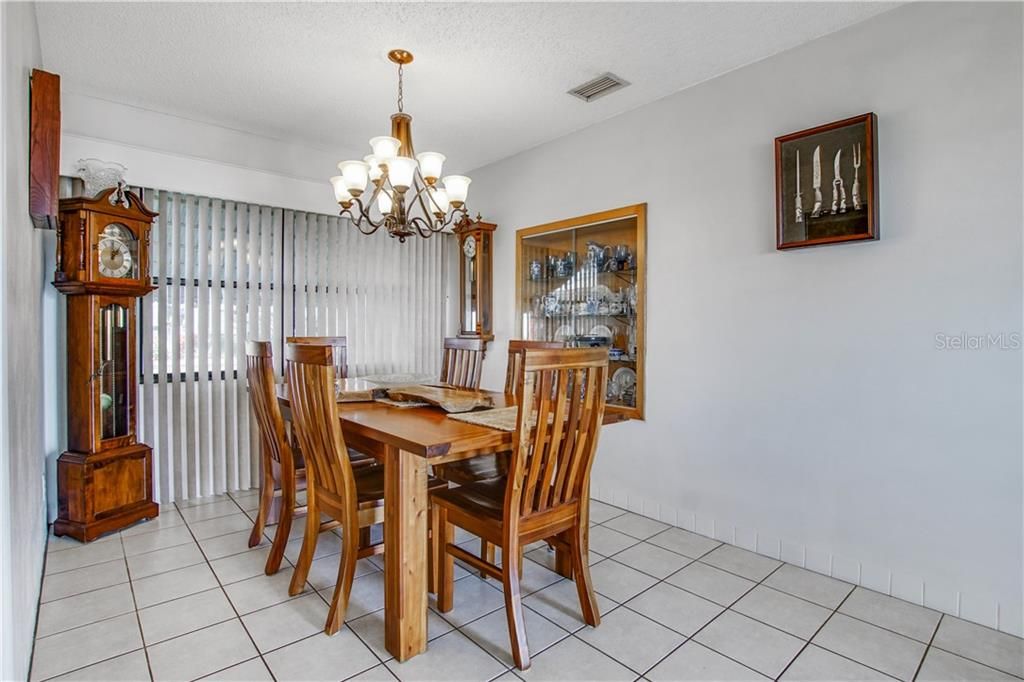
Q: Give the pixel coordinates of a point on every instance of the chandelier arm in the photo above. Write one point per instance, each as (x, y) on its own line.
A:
(462, 212)
(422, 227)
(373, 197)
(364, 216)
(421, 187)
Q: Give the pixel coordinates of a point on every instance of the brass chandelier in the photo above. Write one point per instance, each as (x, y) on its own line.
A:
(407, 198)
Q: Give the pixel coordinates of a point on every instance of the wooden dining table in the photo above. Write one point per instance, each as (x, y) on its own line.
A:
(406, 440)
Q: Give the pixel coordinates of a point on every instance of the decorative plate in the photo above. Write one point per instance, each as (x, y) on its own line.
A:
(624, 379)
(601, 330)
(563, 333)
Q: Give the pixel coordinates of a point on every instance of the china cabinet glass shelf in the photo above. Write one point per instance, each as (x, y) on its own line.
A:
(582, 281)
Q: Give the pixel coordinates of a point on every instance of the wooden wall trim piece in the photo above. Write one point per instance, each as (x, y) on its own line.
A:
(44, 149)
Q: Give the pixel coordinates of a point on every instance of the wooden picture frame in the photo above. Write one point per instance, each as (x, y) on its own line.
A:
(843, 209)
(44, 149)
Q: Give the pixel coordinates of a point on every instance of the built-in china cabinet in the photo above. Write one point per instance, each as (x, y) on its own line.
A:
(582, 281)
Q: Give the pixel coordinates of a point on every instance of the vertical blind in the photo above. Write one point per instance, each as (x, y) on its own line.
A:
(228, 272)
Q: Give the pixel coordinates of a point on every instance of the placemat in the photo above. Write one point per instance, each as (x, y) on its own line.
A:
(501, 418)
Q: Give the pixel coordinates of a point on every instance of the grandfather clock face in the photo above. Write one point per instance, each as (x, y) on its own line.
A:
(117, 251)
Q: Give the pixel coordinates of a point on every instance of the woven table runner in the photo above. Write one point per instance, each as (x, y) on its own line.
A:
(501, 418)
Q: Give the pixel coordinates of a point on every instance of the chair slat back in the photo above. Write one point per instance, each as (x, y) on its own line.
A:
(515, 359)
(462, 363)
(338, 343)
(560, 413)
(310, 374)
(259, 362)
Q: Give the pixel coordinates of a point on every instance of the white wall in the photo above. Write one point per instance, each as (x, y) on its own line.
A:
(22, 523)
(183, 155)
(797, 404)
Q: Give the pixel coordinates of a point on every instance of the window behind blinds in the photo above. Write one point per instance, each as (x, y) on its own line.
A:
(229, 272)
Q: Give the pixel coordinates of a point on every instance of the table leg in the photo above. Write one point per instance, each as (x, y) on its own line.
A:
(405, 553)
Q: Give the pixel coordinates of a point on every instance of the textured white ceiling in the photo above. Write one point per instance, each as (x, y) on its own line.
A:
(489, 80)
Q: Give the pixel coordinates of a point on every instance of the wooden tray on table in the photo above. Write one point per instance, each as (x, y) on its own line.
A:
(448, 398)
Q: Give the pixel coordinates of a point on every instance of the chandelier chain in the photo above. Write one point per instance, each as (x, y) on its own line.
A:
(400, 102)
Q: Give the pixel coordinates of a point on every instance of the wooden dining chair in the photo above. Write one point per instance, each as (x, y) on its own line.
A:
(339, 347)
(462, 362)
(490, 467)
(334, 488)
(339, 350)
(351, 498)
(544, 496)
(284, 473)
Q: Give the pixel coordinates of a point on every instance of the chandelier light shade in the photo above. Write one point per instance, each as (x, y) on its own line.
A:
(430, 165)
(406, 188)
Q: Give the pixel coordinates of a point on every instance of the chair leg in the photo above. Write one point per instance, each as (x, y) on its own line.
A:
(446, 568)
(346, 573)
(284, 525)
(309, 540)
(280, 543)
(581, 571)
(266, 499)
(435, 549)
(487, 554)
(510, 576)
(364, 536)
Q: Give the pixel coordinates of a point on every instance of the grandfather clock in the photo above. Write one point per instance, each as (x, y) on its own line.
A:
(105, 478)
(476, 246)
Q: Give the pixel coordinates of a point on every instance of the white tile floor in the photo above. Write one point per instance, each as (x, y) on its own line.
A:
(183, 598)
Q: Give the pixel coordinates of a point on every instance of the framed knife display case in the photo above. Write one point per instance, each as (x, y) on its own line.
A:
(582, 282)
(826, 184)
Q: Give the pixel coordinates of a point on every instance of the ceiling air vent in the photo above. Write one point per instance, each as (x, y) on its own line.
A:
(599, 87)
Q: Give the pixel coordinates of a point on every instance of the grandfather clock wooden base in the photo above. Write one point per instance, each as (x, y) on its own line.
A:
(102, 492)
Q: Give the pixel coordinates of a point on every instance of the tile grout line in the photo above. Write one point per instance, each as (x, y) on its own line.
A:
(821, 627)
(928, 647)
(138, 616)
(103, 660)
(623, 605)
(231, 603)
(774, 589)
(759, 584)
(568, 634)
(461, 628)
(696, 632)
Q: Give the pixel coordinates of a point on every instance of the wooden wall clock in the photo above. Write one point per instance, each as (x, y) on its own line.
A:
(476, 251)
(105, 478)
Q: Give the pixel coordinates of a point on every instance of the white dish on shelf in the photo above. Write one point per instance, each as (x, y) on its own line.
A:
(624, 379)
(563, 333)
(601, 330)
(600, 292)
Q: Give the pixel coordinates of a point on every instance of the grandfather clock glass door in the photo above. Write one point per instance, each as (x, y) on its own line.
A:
(114, 371)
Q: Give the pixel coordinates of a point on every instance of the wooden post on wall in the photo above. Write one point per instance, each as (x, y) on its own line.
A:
(44, 149)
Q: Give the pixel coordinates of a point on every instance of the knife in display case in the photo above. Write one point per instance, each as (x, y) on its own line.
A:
(799, 195)
(816, 162)
(838, 190)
